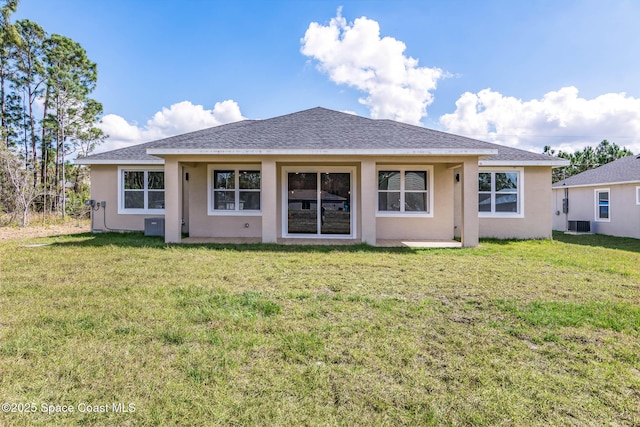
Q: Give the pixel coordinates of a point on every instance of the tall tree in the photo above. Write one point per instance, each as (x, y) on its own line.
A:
(8, 38)
(584, 160)
(587, 158)
(607, 152)
(83, 132)
(16, 184)
(55, 73)
(6, 10)
(71, 77)
(29, 77)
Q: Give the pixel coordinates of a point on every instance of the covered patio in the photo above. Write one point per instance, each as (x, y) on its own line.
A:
(189, 200)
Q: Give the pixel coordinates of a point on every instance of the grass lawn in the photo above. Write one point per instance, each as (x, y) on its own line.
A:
(512, 333)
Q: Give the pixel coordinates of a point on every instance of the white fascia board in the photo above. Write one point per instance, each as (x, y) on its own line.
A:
(552, 163)
(117, 162)
(596, 184)
(336, 151)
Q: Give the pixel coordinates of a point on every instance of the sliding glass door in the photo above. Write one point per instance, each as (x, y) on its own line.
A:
(319, 204)
(303, 203)
(335, 203)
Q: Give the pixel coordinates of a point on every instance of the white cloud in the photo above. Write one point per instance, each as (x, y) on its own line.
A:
(355, 55)
(560, 119)
(179, 118)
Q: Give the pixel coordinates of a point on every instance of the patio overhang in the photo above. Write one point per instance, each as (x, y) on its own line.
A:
(485, 152)
(555, 163)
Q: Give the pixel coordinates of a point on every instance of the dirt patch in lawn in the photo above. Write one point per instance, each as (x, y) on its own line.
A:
(8, 233)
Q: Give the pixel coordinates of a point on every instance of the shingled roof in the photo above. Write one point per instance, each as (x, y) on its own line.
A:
(133, 154)
(320, 131)
(623, 170)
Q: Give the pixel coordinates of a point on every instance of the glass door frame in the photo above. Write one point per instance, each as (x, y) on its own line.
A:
(286, 170)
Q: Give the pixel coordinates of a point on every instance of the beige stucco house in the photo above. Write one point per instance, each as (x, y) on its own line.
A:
(323, 174)
(604, 200)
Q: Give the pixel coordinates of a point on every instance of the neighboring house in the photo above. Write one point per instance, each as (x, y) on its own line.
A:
(320, 173)
(605, 200)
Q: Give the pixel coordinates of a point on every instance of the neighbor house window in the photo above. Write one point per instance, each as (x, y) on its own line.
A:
(500, 193)
(141, 191)
(234, 189)
(637, 195)
(602, 205)
(404, 191)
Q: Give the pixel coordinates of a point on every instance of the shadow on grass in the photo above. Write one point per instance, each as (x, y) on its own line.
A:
(139, 240)
(599, 240)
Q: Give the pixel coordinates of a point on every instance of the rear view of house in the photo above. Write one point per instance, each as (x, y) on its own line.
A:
(323, 174)
(604, 200)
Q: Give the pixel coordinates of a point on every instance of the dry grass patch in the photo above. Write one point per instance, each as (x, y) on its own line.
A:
(43, 227)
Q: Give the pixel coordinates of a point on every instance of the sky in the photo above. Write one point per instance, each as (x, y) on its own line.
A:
(526, 73)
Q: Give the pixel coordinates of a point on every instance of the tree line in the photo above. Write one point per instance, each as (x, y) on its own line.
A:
(587, 158)
(46, 116)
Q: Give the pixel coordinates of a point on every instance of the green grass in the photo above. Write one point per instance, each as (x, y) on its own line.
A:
(598, 315)
(513, 332)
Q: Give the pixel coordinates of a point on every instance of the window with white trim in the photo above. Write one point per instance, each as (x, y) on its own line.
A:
(234, 188)
(602, 205)
(500, 193)
(141, 191)
(404, 190)
(637, 195)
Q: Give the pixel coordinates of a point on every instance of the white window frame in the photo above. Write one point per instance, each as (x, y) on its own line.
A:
(402, 169)
(319, 170)
(596, 194)
(146, 210)
(520, 193)
(236, 167)
(638, 195)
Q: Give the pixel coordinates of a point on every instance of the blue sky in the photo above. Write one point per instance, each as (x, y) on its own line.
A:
(524, 73)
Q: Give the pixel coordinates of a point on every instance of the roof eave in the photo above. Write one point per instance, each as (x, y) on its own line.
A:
(552, 163)
(89, 161)
(596, 184)
(320, 151)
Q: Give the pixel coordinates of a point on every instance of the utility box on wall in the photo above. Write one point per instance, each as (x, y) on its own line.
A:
(154, 226)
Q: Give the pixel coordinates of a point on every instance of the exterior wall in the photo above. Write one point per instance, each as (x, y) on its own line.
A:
(457, 203)
(447, 201)
(539, 200)
(470, 227)
(559, 219)
(185, 199)
(368, 201)
(201, 224)
(581, 207)
(439, 227)
(623, 211)
(104, 187)
(173, 177)
(536, 222)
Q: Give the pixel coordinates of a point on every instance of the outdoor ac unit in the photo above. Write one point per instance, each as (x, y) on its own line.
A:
(580, 226)
(154, 226)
